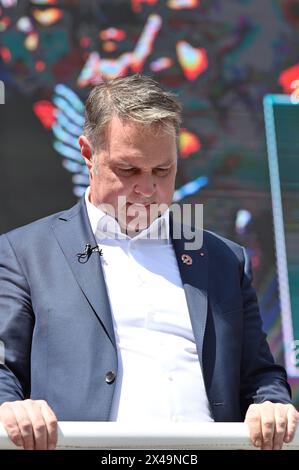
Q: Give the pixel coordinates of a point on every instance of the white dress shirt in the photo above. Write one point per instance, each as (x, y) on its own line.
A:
(159, 377)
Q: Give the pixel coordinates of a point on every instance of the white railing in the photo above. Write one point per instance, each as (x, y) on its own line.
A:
(99, 435)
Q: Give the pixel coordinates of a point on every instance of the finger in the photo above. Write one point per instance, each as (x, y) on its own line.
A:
(292, 419)
(38, 425)
(10, 424)
(51, 424)
(268, 427)
(25, 424)
(280, 415)
(253, 421)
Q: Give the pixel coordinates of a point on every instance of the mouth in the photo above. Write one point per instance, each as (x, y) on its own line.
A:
(140, 204)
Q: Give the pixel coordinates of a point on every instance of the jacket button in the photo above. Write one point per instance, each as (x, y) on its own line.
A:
(110, 377)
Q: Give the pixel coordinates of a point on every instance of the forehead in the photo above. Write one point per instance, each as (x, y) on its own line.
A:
(130, 133)
(132, 142)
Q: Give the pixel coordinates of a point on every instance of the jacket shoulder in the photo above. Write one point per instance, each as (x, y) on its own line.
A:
(42, 226)
(218, 245)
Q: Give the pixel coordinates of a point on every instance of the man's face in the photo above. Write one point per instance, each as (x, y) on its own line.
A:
(137, 163)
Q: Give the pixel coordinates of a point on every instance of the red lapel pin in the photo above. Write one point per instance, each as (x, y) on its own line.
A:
(187, 259)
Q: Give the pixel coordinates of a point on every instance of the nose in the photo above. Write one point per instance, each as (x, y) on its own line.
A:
(145, 185)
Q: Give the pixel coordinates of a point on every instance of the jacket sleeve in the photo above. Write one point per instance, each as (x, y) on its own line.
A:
(261, 378)
(16, 326)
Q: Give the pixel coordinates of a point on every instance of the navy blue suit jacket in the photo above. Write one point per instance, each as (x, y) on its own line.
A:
(56, 325)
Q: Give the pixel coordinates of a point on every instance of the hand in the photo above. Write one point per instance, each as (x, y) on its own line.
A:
(271, 424)
(30, 423)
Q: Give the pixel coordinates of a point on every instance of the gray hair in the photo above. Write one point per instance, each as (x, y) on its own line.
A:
(136, 98)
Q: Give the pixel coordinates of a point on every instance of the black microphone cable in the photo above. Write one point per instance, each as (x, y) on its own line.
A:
(84, 257)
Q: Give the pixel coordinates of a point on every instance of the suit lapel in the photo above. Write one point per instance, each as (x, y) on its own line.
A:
(195, 282)
(73, 232)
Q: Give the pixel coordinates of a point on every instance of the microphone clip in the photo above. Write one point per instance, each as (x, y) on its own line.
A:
(84, 257)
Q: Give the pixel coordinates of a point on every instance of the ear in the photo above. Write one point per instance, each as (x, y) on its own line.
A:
(86, 151)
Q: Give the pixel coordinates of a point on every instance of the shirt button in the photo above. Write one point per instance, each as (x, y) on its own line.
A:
(110, 377)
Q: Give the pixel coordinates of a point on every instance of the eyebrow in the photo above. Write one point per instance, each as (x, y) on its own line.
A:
(166, 163)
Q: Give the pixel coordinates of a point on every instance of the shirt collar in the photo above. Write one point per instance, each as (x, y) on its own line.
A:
(105, 226)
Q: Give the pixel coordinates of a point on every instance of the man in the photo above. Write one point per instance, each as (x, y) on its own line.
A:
(108, 316)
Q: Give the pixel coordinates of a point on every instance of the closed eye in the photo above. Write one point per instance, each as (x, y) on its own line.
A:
(126, 171)
(132, 171)
(161, 171)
